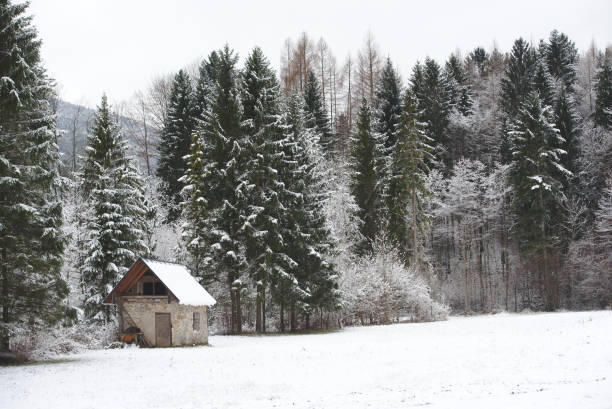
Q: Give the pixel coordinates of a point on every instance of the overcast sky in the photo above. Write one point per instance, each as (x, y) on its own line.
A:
(117, 46)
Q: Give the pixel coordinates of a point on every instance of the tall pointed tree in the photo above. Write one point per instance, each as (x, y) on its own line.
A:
(516, 84)
(603, 91)
(265, 164)
(31, 241)
(311, 282)
(387, 103)
(434, 98)
(223, 185)
(561, 57)
(534, 174)
(407, 173)
(114, 213)
(316, 114)
(175, 141)
(366, 185)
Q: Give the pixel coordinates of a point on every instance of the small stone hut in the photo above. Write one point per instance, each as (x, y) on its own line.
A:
(161, 304)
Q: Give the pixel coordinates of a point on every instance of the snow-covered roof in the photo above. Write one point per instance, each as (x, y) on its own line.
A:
(180, 282)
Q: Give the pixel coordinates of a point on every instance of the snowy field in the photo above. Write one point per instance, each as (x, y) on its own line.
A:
(559, 360)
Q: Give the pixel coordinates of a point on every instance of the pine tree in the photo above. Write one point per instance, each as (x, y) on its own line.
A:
(480, 57)
(31, 241)
(387, 104)
(204, 84)
(536, 164)
(516, 84)
(460, 89)
(175, 141)
(312, 281)
(407, 173)
(543, 82)
(567, 121)
(367, 167)
(561, 57)
(265, 244)
(316, 114)
(603, 91)
(221, 186)
(114, 216)
(434, 97)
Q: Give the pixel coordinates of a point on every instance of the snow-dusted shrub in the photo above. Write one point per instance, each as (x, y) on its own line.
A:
(381, 289)
(64, 340)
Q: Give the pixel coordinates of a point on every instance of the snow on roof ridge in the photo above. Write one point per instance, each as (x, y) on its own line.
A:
(180, 282)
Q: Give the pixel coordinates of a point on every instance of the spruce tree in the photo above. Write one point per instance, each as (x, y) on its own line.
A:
(480, 57)
(407, 173)
(460, 89)
(175, 141)
(603, 92)
(265, 165)
(567, 121)
(543, 82)
(561, 57)
(367, 166)
(534, 174)
(312, 281)
(387, 104)
(114, 215)
(31, 240)
(516, 84)
(317, 118)
(222, 184)
(434, 97)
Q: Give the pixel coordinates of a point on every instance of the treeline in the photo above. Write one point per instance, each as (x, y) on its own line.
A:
(333, 193)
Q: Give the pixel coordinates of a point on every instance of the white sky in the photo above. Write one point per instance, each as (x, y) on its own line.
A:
(117, 46)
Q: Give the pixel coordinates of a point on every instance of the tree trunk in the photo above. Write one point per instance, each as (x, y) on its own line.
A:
(263, 309)
(258, 311)
(238, 313)
(6, 317)
(293, 318)
(282, 317)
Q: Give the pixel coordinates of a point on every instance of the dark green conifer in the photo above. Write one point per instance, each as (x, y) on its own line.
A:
(31, 239)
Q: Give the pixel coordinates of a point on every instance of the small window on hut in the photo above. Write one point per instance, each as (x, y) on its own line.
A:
(196, 321)
(160, 288)
(147, 288)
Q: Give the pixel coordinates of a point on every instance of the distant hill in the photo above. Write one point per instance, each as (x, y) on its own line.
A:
(75, 121)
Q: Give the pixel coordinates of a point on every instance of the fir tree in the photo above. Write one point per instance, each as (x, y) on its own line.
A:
(407, 173)
(567, 121)
(316, 114)
(367, 166)
(480, 57)
(434, 96)
(535, 169)
(603, 91)
(221, 186)
(516, 84)
(175, 141)
(543, 82)
(460, 89)
(387, 102)
(204, 84)
(312, 281)
(561, 57)
(31, 241)
(114, 216)
(265, 244)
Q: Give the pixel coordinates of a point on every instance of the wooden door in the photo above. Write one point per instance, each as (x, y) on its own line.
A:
(163, 329)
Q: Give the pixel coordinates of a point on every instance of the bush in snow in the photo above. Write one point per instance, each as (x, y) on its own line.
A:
(380, 289)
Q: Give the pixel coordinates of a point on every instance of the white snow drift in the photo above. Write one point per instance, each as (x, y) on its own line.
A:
(558, 360)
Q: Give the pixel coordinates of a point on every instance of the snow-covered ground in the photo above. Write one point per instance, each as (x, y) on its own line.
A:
(558, 360)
